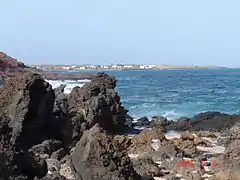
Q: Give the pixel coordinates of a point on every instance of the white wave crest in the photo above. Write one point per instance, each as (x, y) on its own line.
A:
(70, 84)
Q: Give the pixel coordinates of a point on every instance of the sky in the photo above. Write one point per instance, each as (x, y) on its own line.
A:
(184, 32)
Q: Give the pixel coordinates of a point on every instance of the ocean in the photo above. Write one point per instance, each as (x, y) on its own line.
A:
(173, 93)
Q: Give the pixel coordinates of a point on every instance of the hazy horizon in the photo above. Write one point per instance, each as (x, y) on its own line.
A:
(122, 32)
(65, 64)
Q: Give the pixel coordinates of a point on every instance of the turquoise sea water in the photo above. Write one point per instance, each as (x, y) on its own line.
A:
(176, 93)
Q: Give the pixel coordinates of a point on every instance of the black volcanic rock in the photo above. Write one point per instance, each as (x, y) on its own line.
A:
(143, 121)
(213, 121)
(98, 156)
(26, 104)
(182, 123)
(47, 135)
(25, 111)
(94, 103)
(46, 147)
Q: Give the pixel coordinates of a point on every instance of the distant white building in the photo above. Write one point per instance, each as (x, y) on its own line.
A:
(151, 66)
(128, 66)
(82, 68)
(116, 66)
(92, 67)
(66, 68)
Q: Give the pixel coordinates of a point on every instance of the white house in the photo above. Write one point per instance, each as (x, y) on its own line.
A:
(128, 66)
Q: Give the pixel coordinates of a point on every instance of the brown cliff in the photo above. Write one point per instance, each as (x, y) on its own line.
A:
(10, 67)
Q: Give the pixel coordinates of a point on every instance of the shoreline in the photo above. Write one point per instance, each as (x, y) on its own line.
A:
(57, 139)
(133, 69)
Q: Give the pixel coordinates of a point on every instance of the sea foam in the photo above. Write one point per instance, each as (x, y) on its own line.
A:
(70, 84)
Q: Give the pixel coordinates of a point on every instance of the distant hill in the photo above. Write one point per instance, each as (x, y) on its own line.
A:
(11, 67)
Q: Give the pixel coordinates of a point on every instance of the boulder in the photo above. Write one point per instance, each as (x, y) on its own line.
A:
(60, 104)
(102, 157)
(187, 144)
(198, 141)
(59, 154)
(206, 134)
(187, 136)
(53, 176)
(166, 153)
(159, 122)
(182, 124)
(94, 103)
(188, 148)
(234, 132)
(143, 121)
(146, 167)
(46, 147)
(26, 105)
(129, 121)
(148, 141)
(214, 121)
(25, 120)
(233, 150)
(207, 121)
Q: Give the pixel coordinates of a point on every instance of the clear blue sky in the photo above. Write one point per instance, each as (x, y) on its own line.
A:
(199, 32)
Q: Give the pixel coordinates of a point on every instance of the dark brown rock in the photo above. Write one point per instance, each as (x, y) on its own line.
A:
(26, 119)
(198, 141)
(233, 150)
(206, 134)
(143, 141)
(207, 121)
(182, 124)
(46, 147)
(234, 132)
(159, 122)
(146, 167)
(129, 121)
(166, 152)
(187, 136)
(94, 103)
(188, 147)
(53, 176)
(100, 156)
(143, 121)
(59, 154)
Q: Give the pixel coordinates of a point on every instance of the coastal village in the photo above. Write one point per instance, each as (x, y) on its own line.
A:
(116, 67)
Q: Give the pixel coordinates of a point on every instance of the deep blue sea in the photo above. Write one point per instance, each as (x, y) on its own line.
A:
(176, 93)
(173, 93)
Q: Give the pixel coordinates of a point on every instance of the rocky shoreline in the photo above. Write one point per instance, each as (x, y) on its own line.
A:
(48, 135)
(10, 67)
